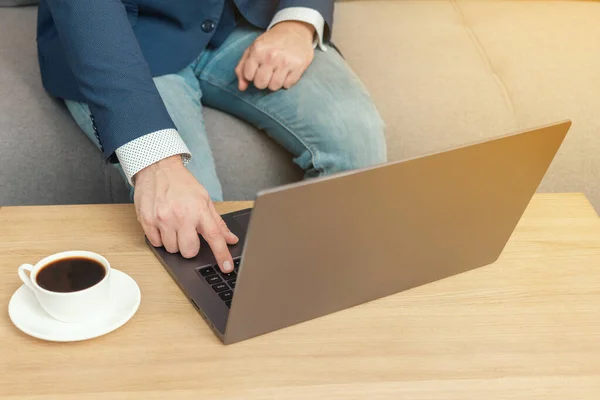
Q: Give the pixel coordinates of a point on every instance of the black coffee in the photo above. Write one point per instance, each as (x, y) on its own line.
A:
(70, 274)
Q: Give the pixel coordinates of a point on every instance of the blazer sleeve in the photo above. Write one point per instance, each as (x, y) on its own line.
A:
(325, 7)
(113, 76)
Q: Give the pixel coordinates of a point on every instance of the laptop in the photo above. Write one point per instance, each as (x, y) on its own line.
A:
(327, 244)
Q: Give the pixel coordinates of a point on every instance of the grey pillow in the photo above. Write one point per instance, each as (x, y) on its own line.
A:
(14, 3)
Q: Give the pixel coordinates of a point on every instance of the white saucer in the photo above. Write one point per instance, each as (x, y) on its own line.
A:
(27, 314)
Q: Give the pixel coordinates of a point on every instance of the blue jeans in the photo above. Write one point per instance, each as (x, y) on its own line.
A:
(327, 121)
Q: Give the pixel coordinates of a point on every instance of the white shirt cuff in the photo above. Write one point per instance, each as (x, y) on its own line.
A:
(303, 14)
(146, 150)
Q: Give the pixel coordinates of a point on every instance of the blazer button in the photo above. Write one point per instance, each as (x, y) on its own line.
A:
(208, 26)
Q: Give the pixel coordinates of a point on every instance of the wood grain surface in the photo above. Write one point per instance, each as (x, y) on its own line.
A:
(525, 327)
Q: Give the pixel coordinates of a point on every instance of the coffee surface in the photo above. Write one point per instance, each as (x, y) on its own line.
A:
(70, 274)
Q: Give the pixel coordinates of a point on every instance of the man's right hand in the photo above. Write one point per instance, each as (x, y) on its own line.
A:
(173, 208)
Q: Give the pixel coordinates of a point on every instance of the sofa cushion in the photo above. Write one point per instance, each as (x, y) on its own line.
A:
(428, 79)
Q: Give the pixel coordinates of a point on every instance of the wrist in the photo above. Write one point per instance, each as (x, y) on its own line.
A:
(166, 164)
(298, 27)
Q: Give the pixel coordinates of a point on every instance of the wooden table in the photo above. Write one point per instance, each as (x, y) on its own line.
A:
(526, 327)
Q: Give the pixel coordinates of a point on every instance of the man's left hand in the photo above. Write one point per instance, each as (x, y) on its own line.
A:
(277, 58)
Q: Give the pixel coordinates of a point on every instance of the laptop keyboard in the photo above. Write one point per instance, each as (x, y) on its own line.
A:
(222, 283)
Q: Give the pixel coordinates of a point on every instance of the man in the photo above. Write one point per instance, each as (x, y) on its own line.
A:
(135, 73)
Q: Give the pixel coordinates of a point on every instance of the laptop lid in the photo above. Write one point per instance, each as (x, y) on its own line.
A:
(327, 244)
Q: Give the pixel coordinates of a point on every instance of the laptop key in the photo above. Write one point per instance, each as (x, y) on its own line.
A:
(228, 295)
(236, 263)
(207, 271)
(219, 287)
(228, 303)
(213, 279)
(229, 276)
(232, 284)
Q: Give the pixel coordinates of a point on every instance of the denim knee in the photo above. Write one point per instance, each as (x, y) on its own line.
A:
(356, 139)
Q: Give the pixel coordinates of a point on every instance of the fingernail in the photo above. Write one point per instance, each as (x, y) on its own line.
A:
(233, 236)
(227, 266)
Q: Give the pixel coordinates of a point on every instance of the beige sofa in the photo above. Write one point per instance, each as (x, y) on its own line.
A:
(443, 73)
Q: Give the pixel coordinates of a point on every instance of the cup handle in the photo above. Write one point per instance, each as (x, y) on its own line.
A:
(26, 278)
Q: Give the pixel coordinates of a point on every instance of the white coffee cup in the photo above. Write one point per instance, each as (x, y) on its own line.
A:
(75, 306)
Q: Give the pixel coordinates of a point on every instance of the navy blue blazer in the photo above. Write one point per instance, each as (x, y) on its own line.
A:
(105, 53)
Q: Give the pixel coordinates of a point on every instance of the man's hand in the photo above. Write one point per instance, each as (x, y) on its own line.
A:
(173, 208)
(278, 57)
